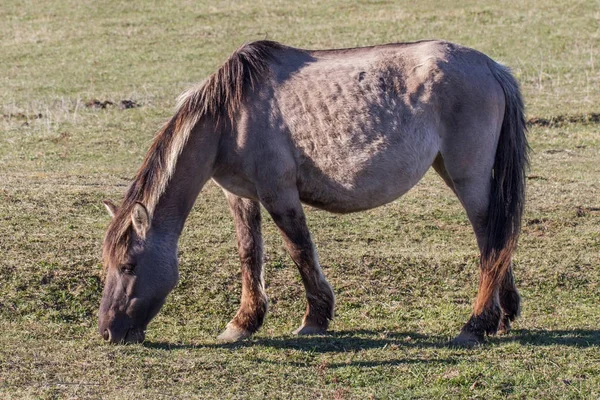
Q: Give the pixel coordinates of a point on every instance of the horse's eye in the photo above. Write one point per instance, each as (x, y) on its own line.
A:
(128, 269)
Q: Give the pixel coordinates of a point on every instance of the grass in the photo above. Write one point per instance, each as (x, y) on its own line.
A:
(404, 274)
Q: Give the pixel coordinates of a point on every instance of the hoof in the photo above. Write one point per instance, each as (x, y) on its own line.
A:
(467, 339)
(504, 327)
(310, 330)
(233, 334)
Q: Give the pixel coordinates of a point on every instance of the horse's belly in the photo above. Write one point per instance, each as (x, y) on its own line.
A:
(354, 179)
(347, 201)
(360, 140)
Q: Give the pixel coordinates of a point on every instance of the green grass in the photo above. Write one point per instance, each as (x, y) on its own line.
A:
(405, 274)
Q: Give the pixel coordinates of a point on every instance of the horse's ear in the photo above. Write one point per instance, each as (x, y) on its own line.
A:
(140, 219)
(110, 207)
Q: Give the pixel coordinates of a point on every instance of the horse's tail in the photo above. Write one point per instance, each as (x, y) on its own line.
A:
(507, 194)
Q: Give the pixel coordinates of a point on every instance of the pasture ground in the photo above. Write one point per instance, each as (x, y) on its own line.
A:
(405, 274)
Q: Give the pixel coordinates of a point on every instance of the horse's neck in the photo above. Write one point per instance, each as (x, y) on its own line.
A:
(193, 168)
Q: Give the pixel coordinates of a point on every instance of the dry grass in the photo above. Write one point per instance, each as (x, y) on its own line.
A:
(404, 274)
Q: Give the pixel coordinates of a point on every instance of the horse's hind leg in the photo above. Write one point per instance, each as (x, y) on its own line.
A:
(253, 307)
(491, 313)
(510, 302)
(473, 193)
(508, 294)
(509, 298)
(286, 210)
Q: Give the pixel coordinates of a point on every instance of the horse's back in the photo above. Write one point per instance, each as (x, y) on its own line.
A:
(362, 126)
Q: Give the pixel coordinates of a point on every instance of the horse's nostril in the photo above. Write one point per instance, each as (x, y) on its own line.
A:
(106, 335)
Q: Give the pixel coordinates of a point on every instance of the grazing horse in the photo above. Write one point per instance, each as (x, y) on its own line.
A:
(341, 130)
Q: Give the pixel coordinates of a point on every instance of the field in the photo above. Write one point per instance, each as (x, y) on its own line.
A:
(405, 275)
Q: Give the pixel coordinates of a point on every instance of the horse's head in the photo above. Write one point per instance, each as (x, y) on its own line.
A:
(141, 270)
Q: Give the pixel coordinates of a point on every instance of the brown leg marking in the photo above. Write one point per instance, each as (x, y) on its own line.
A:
(253, 307)
(510, 302)
(319, 294)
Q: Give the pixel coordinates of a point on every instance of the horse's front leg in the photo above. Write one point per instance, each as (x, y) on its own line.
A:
(253, 307)
(286, 210)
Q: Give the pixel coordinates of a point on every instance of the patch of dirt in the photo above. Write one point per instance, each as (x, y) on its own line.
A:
(583, 211)
(554, 151)
(536, 221)
(95, 103)
(564, 119)
(62, 137)
(46, 279)
(22, 116)
(537, 178)
(123, 104)
(537, 226)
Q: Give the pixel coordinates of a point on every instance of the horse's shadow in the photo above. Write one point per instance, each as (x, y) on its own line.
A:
(364, 339)
(343, 341)
(333, 342)
(541, 337)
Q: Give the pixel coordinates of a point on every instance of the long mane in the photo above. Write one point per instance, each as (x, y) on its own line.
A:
(217, 97)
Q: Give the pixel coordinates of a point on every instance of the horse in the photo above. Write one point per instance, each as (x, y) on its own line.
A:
(341, 130)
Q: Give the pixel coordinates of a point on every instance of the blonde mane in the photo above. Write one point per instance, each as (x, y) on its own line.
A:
(217, 97)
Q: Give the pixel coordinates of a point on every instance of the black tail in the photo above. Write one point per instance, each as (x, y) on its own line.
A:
(507, 197)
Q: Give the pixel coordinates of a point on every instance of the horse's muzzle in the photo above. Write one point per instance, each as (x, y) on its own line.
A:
(130, 336)
(120, 329)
